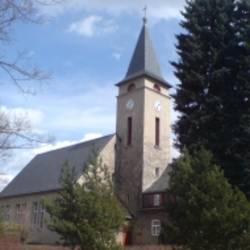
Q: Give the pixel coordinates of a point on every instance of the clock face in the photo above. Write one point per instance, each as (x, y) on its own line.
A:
(157, 106)
(130, 104)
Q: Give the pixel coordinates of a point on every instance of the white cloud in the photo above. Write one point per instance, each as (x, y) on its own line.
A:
(91, 136)
(93, 25)
(34, 116)
(159, 9)
(86, 27)
(89, 106)
(5, 179)
(116, 55)
(86, 108)
(60, 144)
(83, 119)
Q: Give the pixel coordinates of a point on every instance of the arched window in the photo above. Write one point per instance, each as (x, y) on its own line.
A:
(157, 87)
(131, 87)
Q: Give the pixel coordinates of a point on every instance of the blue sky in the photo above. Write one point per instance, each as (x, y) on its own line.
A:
(87, 47)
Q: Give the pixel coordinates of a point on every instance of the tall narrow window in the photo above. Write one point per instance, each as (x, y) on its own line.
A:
(157, 172)
(6, 212)
(23, 212)
(38, 214)
(18, 213)
(157, 131)
(129, 136)
(41, 214)
(34, 214)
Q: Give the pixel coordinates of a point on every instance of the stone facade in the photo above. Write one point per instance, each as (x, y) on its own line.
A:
(140, 165)
(129, 157)
(31, 219)
(155, 156)
(136, 163)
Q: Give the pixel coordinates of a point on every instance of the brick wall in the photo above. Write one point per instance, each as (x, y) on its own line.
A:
(12, 242)
(43, 247)
(151, 247)
(34, 247)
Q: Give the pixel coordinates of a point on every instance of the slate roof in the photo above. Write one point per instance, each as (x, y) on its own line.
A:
(43, 172)
(162, 183)
(144, 60)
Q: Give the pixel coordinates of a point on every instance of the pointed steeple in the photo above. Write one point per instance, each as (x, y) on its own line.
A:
(144, 60)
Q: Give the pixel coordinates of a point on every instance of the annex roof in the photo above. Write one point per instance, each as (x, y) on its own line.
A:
(43, 172)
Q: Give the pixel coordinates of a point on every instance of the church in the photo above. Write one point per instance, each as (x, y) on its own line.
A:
(137, 154)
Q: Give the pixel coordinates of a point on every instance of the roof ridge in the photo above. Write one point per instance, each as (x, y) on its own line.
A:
(76, 144)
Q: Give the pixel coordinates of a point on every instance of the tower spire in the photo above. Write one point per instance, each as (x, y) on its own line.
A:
(145, 15)
(144, 60)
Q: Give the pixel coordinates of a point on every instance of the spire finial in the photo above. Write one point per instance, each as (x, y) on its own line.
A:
(145, 14)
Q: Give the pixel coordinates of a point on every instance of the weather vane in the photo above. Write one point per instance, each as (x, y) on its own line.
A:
(145, 14)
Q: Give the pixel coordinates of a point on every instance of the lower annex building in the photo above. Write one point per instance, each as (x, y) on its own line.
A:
(138, 155)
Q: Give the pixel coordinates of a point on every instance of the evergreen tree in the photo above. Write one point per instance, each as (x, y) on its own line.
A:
(213, 96)
(86, 214)
(205, 211)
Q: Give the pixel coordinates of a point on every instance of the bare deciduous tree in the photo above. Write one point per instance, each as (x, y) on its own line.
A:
(11, 12)
(15, 131)
(12, 128)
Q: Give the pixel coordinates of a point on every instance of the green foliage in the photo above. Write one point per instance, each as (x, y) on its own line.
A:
(88, 214)
(207, 213)
(213, 96)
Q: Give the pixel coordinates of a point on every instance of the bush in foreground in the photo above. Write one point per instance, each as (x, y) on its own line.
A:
(205, 212)
(87, 214)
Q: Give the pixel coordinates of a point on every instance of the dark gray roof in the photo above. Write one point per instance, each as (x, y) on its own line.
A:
(43, 172)
(162, 183)
(144, 60)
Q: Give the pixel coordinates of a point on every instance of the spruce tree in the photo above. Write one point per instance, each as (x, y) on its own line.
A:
(213, 96)
(86, 212)
(205, 212)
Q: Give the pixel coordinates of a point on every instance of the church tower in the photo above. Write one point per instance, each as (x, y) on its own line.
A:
(142, 129)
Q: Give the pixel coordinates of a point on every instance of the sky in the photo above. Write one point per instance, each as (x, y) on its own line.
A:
(86, 46)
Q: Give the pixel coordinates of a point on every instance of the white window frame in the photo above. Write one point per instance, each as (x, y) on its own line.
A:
(38, 214)
(156, 200)
(155, 227)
